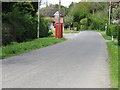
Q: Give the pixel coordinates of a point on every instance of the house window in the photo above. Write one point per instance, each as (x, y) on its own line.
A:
(56, 16)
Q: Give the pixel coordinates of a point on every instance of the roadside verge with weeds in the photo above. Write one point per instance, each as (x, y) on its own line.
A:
(113, 57)
(18, 48)
(66, 31)
(70, 31)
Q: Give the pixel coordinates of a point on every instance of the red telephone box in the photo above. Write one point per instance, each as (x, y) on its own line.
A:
(59, 34)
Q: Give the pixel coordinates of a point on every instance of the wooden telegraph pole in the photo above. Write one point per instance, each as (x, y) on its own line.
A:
(38, 19)
(110, 8)
(59, 19)
(110, 13)
(38, 32)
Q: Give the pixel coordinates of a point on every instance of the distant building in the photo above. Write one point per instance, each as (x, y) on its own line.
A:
(53, 15)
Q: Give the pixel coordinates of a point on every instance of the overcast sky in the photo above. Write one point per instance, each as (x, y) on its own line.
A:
(63, 2)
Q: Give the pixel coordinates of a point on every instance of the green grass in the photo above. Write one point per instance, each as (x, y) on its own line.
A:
(113, 57)
(0, 52)
(106, 37)
(18, 48)
(66, 31)
(70, 31)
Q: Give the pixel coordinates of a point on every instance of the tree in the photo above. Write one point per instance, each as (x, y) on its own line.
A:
(80, 11)
(7, 6)
(68, 20)
(20, 24)
(24, 7)
(84, 21)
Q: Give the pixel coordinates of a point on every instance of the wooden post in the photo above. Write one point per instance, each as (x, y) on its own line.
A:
(59, 19)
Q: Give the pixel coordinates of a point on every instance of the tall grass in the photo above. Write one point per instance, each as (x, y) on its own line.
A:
(70, 31)
(113, 57)
(18, 48)
(66, 31)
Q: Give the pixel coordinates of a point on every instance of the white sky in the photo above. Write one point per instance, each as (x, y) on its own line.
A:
(63, 2)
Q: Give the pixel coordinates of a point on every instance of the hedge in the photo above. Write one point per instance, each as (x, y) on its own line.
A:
(19, 27)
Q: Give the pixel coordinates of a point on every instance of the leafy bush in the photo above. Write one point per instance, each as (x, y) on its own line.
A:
(113, 30)
(22, 27)
(91, 27)
(97, 21)
(108, 31)
(83, 27)
(78, 27)
(84, 21)
(18, 27)
(75, 24)
(44, 27)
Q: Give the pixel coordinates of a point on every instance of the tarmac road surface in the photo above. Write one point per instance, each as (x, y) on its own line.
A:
(80, 62)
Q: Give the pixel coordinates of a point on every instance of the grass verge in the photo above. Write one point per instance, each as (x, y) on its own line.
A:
(106, 37)
(69, 31)
(113, 57)
(18, 48)
(66, 31)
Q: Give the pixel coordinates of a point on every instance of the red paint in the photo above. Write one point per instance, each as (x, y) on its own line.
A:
(57, 35)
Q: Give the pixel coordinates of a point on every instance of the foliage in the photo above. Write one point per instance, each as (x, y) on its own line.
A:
(18, 48)
(115, 11)
(24, 8)
(18, 26)
(105, 36)
(112, 30)
(113, 57)
(80, 11)
(97, 6)
(98, 21)
(119, 35)
(44, 27)
(90, 14)
(75, 24)
(68, 20)
(84, 21)
(7, 6)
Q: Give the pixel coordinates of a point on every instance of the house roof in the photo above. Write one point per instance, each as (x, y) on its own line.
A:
(50, 12)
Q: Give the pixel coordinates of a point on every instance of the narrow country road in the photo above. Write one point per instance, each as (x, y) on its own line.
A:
(80, 62)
